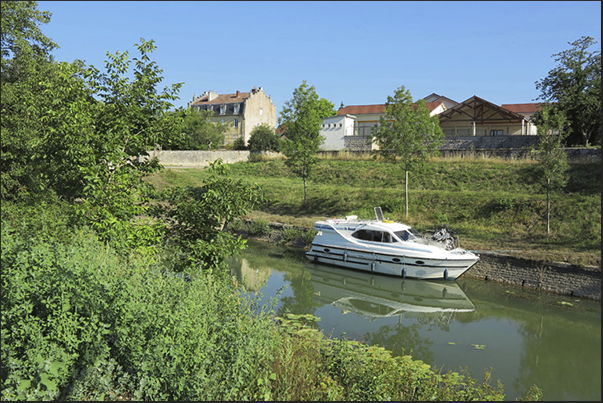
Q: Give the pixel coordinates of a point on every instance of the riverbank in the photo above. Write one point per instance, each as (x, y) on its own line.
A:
(560, 278)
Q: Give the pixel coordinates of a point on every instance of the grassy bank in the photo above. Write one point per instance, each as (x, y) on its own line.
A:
(493, 204)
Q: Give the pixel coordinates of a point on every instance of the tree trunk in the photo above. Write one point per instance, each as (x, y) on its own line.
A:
(548, 206)
(406, 192)
(305, 192)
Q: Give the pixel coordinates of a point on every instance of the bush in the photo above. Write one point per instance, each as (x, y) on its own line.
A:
(309, 236)
(259, 227)
(81, 322)
(264, 138)
(291, 234)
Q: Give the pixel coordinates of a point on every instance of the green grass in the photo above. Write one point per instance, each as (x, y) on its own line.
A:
(493, 204)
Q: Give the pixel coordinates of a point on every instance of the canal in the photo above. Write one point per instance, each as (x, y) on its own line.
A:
(524, 337)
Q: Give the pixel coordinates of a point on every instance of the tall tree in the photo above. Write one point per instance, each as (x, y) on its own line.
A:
(301, 118)
(574, 88)
(326, 108)
(406, 134)
(552, 159)
(21, 32)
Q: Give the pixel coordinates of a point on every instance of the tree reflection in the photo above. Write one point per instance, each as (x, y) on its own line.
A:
(402, 339)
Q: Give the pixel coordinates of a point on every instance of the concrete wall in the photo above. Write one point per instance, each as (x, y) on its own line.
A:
(198, 158)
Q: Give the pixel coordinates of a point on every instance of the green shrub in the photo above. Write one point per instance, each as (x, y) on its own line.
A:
(81, 322)
(309, 236)
(291, 234)
(259, 227)
(237, 225)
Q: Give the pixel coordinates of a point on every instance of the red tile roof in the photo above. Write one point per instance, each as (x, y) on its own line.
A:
(376, 109)
(223, 99)
(522, 108)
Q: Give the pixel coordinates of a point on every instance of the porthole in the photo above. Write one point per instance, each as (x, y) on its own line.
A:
(420, 262)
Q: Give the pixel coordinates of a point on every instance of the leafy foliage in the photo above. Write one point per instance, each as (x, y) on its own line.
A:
(20, 31)
(573, 88)
(301, 117)
(406, 133)
(197, 132)
(263, 138)
(552, 160)
(197, 215)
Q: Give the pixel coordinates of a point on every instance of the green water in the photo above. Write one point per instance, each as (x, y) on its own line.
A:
(525, 337)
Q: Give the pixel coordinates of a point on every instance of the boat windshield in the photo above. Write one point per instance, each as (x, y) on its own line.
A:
(410, 234)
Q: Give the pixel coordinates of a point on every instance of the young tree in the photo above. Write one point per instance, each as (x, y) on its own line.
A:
(406, 134)
(197, 217)
(552, 160)
(263, 138)
(574, 88)
(301, 117)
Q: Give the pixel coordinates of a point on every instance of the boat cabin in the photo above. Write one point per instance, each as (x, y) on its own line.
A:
(378, 235)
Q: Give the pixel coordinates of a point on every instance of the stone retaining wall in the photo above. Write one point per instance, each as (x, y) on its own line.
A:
(560, 278)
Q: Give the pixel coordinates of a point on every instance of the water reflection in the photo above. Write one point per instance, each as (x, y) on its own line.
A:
(377, 296)
(527, 337)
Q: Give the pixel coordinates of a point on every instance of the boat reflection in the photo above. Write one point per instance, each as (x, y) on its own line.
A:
(378, 296)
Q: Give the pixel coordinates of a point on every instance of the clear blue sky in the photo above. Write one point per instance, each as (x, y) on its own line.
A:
(353, 52)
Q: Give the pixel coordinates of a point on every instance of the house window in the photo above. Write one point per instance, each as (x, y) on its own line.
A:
(236, 109)
(222, 109)
(364, 129)
(236, 123)
(496, 132)
(261, 111)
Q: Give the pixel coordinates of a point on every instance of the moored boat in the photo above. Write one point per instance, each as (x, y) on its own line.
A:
(388, 247)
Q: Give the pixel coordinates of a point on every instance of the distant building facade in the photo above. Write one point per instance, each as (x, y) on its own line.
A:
(351, 128)
(241, 111)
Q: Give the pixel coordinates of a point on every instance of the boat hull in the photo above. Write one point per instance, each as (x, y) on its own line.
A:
(392, 262)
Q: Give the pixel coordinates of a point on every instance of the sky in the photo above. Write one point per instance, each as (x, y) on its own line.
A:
(352, 52)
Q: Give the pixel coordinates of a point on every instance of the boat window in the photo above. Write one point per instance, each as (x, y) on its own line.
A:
(373, 236)
(363, 235)
(408, 235)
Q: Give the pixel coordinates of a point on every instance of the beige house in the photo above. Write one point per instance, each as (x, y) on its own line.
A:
(478, 117)
(242, 111)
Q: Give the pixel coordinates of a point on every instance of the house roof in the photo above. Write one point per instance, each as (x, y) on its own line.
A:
(376, 109)
(523, 108)
(222, 99)
(478, 109)
(439, 97)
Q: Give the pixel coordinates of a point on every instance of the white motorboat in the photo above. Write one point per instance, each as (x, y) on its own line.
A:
(388, 247)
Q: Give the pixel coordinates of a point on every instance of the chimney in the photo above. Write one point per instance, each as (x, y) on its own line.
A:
(212, 95)
(238, 93)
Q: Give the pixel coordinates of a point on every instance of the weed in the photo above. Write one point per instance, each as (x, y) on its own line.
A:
(259, 227)
(291, 234)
